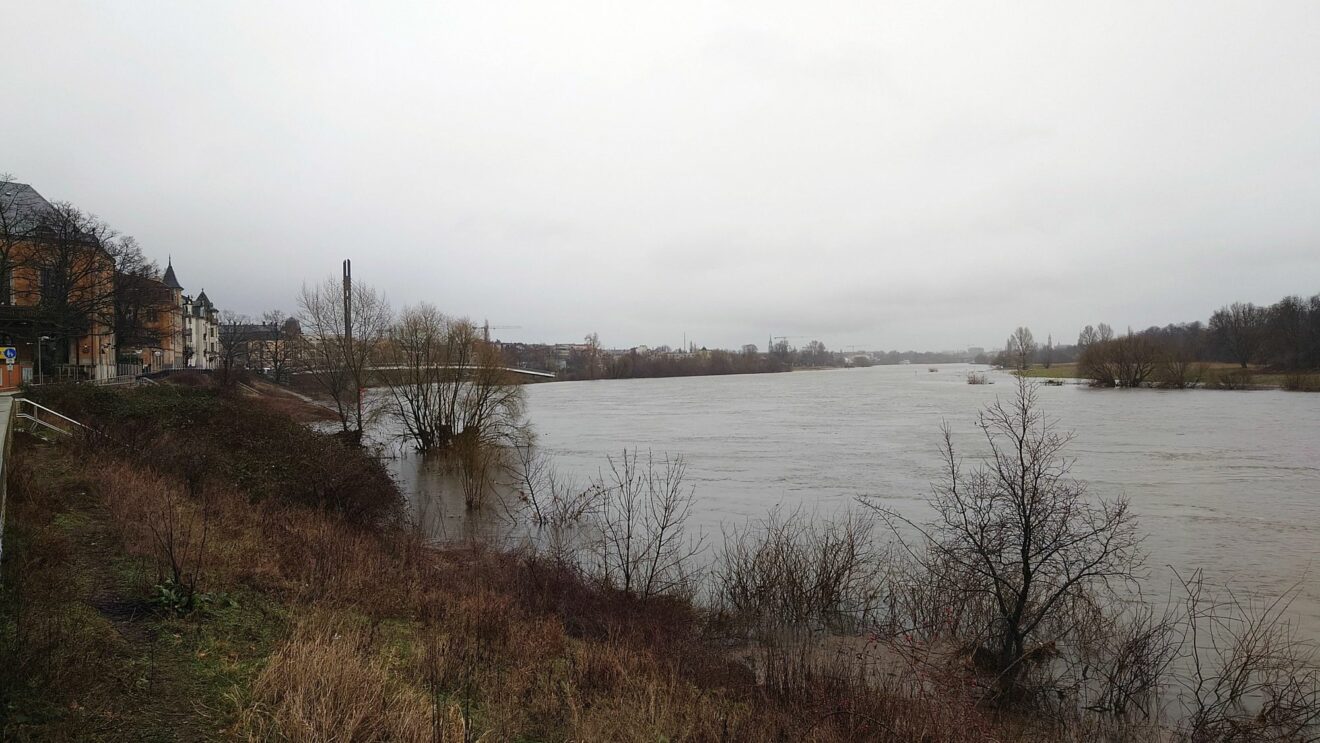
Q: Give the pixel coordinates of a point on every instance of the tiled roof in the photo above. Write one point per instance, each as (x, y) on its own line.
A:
(20, 205)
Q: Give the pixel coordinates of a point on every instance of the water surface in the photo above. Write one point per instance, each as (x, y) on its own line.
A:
(1222, 480)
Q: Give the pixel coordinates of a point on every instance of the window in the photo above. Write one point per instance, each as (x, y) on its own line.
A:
(7, 284)
(47, 283)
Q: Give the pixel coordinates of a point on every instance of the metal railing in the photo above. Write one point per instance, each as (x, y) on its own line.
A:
(40, 419)
(7, 407)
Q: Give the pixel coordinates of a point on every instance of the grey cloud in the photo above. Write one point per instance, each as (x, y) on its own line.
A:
(920, 175)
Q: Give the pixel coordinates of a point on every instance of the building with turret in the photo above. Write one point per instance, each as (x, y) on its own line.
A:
(201, 332)
(183, 331)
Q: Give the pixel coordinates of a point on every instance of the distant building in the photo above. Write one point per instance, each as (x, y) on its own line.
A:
(56, 292)
(70, 315)
(181, 334)
(201, 324)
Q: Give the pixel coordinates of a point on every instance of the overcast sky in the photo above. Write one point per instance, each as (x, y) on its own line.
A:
(915, 175)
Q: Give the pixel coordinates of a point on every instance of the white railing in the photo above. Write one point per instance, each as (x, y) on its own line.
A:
(30, 412)
(6, 436)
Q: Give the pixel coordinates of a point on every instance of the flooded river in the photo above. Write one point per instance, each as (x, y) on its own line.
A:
(1224, 481)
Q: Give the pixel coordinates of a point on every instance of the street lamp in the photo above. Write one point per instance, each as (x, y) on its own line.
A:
(41, 377)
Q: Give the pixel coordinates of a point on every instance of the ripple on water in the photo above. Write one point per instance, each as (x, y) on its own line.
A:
(1225, 482)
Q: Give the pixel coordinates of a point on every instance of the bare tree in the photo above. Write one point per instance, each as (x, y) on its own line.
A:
(139, 297)
(492, 404)
(591, 355)
(1240, 331)
(69, 277)
(278, 346)
(447, 382)
(340, 361)
(18, 221)
(1017, 538)
(1021, 347)
(416, 357)
(1127, 361)
(233, 339)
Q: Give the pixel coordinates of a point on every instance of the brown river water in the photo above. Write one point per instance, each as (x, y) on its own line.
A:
(1225, 481)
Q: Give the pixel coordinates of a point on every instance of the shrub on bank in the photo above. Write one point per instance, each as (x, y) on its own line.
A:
(203, 434)
(1299, 382)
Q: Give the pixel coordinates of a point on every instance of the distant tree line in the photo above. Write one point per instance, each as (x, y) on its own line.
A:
(701, 362)
(1283, 337)
(588, 361)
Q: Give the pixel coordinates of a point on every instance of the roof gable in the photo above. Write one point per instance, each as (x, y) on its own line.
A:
(21, 206)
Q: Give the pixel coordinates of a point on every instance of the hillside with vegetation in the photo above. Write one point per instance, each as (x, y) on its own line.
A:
(207, 568)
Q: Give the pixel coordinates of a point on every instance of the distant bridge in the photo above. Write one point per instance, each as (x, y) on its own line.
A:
(402, 367)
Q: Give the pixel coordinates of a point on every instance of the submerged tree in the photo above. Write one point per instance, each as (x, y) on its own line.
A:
(448, 385)
(1017, 539)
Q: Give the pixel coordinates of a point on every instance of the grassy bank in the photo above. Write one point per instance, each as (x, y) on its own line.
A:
(212, 570)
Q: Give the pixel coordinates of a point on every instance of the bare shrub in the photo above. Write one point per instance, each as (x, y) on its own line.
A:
(643, 548)
(1017, 541)
(978, 378)
(1236, 379)
(477, 463)
(1123, 660)
(1299, 382)
(797, 571)
(1250, 678)
(549, 498)
(1179, 372)
(1126, 361)
(160, 520)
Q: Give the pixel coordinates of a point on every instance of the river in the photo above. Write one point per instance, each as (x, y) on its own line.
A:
(1225, 481)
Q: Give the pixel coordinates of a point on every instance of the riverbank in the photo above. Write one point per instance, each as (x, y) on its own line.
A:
(1213, 376)
(216, 571)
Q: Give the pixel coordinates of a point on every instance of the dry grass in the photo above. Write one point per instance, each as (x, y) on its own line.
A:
(327, 683)
(391, 640)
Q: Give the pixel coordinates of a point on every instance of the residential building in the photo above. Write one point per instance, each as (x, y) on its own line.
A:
(201, 336)
(56, 291)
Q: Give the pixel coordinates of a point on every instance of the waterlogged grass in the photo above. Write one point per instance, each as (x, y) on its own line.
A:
(1213, 376)
(1056, 371)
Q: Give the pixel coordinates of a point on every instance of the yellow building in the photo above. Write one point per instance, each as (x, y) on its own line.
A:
(56, 291)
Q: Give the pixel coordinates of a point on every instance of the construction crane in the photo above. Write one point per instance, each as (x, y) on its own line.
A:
(487, 327)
